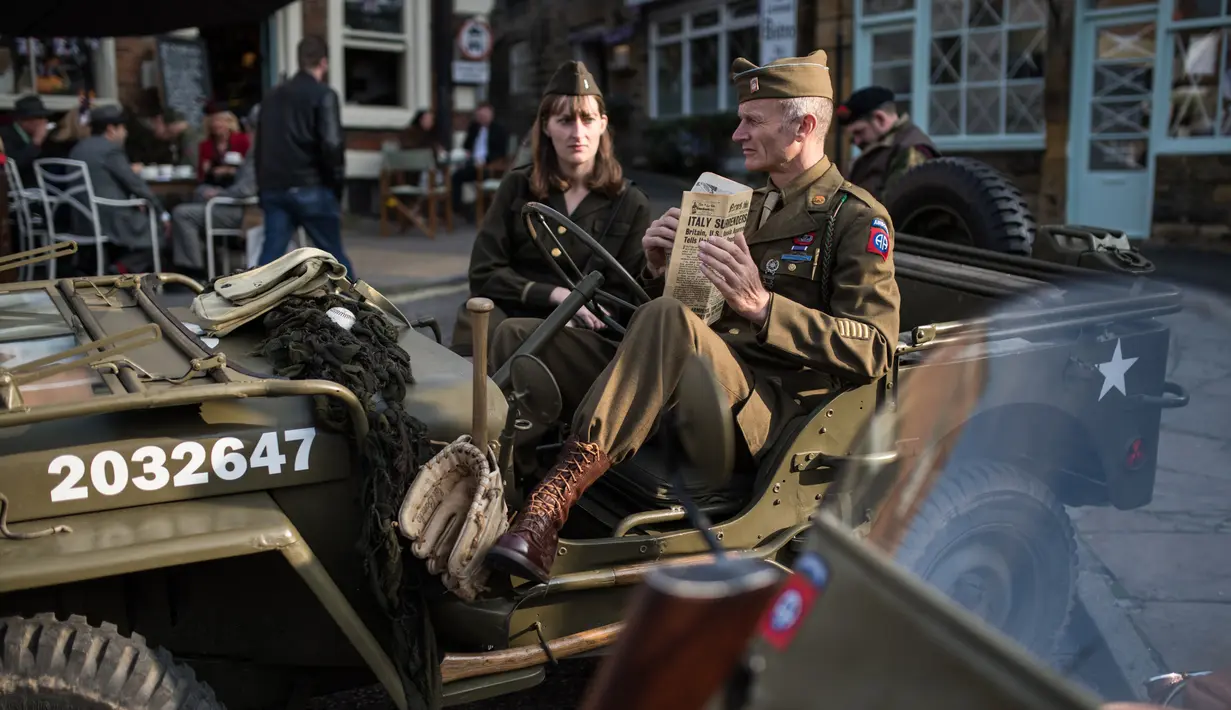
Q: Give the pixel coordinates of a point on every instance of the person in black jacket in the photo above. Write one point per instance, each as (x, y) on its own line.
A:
(487, 142)
(301, 159)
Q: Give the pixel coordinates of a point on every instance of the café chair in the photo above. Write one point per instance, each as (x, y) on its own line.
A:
(69, 185)
(403, 197)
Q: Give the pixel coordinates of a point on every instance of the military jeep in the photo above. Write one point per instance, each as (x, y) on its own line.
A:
(182, 526)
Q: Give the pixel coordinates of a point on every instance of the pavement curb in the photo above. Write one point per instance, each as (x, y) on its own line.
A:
(411, 287)
(1128, 648)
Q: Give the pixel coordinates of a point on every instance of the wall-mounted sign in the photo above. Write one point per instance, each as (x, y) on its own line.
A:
(474, 39)
(777, 30)
(471, 72)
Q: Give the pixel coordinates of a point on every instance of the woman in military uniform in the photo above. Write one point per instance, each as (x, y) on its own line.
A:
(574, 171)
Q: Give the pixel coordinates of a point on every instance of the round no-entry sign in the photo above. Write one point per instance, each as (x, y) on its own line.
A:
(475, 39)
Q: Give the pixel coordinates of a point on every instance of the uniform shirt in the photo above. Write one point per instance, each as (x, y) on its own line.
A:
(832, 321)
(507, 266)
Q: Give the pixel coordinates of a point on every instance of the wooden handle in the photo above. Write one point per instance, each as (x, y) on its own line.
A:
(480, 313)
(458, 666)
(687, 629)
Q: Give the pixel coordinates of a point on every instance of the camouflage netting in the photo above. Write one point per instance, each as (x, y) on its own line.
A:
(303, 343)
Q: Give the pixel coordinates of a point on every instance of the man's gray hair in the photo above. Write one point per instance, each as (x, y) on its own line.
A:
(794, 110)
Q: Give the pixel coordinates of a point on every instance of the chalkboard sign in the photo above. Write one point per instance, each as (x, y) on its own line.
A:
(184, 66)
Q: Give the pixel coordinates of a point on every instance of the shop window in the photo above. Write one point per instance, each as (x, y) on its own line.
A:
(984, 62)
(1200, 46)
(59, 69)
(690, 64)
(379, 60)
(521, 69)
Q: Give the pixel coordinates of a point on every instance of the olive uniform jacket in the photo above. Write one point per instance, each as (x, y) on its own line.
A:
(507, 267)
(883, 162)
(825, 256)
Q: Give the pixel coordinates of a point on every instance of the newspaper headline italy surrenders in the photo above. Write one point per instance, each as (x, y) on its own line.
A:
(716, 206)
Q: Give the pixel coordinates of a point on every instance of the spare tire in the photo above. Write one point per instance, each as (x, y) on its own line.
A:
(962, 201)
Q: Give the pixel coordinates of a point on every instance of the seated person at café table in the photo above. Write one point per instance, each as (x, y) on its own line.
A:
(486, 143)
(158, 136)
(188, 218)
(113, 177)
(223, 150)
(575, 172)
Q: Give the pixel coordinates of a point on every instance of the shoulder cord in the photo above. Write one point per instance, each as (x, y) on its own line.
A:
(827, 254)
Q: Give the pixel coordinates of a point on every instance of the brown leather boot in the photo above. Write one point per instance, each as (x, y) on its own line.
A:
(528, 549)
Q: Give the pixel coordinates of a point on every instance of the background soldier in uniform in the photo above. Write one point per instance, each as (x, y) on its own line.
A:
(811, 302)
(889, 143)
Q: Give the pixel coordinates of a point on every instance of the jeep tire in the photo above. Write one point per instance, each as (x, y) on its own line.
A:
(995, 540)
(70, 665)
(962, 201)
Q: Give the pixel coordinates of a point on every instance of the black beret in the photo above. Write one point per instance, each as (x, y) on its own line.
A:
(861, 103)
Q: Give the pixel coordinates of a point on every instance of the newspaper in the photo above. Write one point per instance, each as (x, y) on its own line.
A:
(716, 206)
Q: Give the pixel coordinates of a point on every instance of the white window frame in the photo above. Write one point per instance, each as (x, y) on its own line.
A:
(1161, 141)
(726, 24)
(920, 17)
(106, 86)
(415, 47)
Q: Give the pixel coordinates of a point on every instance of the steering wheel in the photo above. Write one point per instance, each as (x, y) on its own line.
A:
(536, 212)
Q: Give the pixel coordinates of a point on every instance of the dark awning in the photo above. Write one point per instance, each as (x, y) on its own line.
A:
(125, 18)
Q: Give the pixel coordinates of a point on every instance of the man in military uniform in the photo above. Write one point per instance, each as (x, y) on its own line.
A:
(889, 143)
(811, 304)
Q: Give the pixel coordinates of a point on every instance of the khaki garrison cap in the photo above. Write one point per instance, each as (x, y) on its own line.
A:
(573, 79)
(787, 78)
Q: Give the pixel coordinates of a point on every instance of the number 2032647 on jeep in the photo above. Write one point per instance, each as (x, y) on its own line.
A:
(187, 463)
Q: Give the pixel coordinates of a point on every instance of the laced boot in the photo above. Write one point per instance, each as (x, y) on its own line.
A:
(528, 549)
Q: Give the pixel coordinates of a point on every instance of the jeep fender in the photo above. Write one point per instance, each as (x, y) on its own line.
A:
(114, 542)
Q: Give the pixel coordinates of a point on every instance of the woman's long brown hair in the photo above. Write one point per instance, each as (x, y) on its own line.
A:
(607, 177)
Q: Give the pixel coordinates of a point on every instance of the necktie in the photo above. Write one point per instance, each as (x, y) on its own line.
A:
(771, 203)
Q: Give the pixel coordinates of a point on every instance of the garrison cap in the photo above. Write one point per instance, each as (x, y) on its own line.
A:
(787, 78)
(861, 103)
(573, 79)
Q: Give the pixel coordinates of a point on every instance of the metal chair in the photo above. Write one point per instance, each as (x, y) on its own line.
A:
(19, 203)
(72, 186)
(211, 231)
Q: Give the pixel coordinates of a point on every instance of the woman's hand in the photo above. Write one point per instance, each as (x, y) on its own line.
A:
(659, 239)
(585, 318)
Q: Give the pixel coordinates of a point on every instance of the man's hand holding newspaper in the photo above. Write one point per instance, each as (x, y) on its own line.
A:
(710, 244)
(729, 266)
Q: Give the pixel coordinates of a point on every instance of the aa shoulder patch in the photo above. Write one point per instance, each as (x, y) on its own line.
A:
(878, 239)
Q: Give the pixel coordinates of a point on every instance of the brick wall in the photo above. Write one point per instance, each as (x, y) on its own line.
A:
(1023, 167)
(130, 52)
(315, 18)
(1193, 190)
(833, 32)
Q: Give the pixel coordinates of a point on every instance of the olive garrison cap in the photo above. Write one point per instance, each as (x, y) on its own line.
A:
(573, 79)
(786, 78)
(862, 103)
